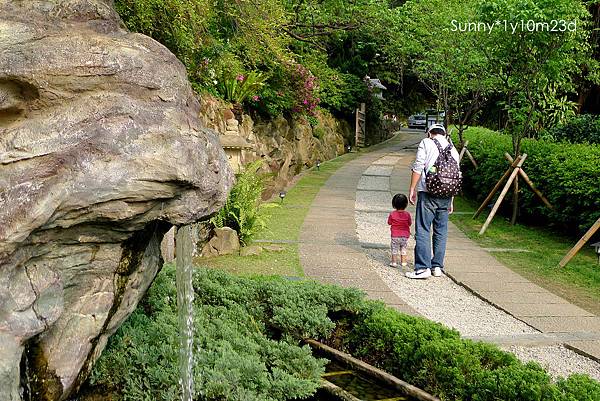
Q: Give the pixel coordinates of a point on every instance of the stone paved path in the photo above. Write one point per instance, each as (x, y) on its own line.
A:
(358, 196)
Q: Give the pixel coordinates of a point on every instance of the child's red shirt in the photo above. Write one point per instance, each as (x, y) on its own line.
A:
(400, 221)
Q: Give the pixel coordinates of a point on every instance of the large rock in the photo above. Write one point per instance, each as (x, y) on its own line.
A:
(224, 242)
(101, 152)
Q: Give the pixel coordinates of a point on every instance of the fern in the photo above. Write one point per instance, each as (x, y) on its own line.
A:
(243, 210)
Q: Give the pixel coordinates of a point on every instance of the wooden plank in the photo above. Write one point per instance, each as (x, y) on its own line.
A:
(338, 392)
(374, 372)
(580, 244)
(528, 181)
(502, 194)
(338, 373)
(495, 189)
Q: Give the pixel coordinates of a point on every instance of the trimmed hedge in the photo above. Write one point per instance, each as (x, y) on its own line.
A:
(434, 358)
(567, 174)
(584, 128)
(247, 346)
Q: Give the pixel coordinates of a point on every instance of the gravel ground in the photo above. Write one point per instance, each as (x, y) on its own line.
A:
(374, 201)
(558, 360)
(372, 228)
(439, 298)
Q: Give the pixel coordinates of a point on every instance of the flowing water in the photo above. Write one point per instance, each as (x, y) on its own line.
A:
(185, 298)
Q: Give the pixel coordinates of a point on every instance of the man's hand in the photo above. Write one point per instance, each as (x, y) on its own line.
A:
(412, 196)
(451, 207)
(414, 179)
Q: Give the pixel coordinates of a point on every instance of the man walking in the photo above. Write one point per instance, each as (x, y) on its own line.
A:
(435, 180)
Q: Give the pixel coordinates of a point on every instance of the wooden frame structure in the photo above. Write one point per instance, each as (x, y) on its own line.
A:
(515, 170)
(567, 258)
(361, 126)
(464, 151)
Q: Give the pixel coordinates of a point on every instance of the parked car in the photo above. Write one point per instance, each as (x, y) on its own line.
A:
(417, 121)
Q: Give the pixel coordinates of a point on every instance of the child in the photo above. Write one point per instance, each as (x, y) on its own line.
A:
(399, 221)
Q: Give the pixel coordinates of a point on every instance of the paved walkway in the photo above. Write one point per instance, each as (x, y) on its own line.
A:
(331, 252)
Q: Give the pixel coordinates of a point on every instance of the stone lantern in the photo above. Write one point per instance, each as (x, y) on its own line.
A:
(233, 146)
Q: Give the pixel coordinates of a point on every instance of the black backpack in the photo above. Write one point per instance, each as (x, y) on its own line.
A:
(444, 178)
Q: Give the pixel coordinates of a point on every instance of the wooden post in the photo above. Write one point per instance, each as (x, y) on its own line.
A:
(462, 151)
(503, 194)
(360, 128)
(471, 158)
(528, 181)
(495, 189)
(580, 244)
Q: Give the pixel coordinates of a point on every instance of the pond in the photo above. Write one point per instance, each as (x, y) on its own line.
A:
(358, 385)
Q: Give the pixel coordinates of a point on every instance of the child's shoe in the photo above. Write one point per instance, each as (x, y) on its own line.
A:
(393, 264)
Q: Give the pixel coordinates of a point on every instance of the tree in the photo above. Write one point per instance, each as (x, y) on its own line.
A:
(533, 47)
(446, 60)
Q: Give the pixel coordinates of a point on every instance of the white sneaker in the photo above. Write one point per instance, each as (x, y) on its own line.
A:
(393, 264)
(419, 274)
(437, 271)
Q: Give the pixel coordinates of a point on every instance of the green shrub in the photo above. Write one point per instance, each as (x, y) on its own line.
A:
(578, 388)
(247, 333)
(243, 210)
(434, 358)
(240, 87)
(246, 339)
(581, 129)
(567, 174)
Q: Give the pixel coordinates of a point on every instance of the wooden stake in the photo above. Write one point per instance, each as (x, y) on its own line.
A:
(528, 181)
(503, 194)
(580, 244)
(471, 158)
(495, 189)
(462, 151)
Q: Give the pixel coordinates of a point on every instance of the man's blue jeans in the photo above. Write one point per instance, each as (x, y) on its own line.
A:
(431, 211)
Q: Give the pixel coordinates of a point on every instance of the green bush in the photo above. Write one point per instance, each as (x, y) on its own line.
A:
(434, 358)
(243, 210)
(239, 88)
(247, 335)
(581, 129)
(567, 174)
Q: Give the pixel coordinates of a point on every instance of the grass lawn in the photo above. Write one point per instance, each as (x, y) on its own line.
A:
(283, 224)
(578, 282)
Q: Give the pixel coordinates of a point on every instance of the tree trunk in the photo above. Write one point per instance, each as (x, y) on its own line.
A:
(515, 202)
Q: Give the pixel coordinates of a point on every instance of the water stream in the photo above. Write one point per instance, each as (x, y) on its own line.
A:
(185, 298)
